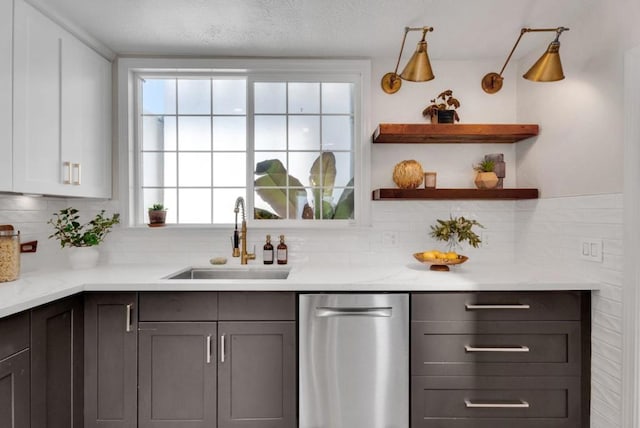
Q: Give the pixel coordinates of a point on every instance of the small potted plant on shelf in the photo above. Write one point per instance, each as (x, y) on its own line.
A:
(157, 215)
(486, 177)
(81, 239)
(443, 108)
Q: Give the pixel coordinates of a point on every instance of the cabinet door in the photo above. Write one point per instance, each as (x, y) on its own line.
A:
(257, 375)
(111, 360)
(86, 119)
(14, 391)
(37, 95)
(6, 67)
(177, 384)
(62, 111)
(57, 364)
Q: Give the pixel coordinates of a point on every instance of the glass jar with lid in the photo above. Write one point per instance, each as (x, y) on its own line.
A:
(9, 253)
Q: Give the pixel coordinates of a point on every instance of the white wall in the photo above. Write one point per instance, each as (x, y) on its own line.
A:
(580, 147)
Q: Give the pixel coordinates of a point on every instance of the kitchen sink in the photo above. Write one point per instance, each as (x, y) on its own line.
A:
(230, 273)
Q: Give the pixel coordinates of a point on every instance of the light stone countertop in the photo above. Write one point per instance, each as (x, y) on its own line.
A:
(33, 289)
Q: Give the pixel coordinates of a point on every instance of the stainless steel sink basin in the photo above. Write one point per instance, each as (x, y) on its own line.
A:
(230, 273)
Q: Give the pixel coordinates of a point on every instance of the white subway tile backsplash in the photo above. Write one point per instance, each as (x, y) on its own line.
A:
(542, 232)
(611, 415)
(599, 420)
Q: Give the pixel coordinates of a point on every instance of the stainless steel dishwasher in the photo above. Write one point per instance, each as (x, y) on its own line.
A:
(354, 360)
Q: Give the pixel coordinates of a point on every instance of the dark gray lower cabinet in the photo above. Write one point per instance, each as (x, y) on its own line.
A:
(256, 375)
(111, 360)
(177, 378)
(500, 359)
(14, 391)
(57, 356)
(495, 402)
(14, 371)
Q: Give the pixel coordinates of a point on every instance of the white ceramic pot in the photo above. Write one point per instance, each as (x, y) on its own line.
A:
(83, 257)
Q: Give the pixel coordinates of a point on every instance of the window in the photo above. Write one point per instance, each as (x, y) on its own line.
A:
(286, 145)
(193, 147)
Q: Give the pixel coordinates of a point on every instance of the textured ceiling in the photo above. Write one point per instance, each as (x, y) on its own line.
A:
(464, 29)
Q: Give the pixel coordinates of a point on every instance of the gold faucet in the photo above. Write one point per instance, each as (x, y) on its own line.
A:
(242, 253)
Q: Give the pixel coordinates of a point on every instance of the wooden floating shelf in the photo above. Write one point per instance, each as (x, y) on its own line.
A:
(447, 133)
(416, 194)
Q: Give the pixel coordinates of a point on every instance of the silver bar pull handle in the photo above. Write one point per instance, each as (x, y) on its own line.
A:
(326, 312)
(471, 307)
(208, 349)
(66, 173)
(76, 178)
(128, 317)
(469, 348)
(222, 348)
(517, 404)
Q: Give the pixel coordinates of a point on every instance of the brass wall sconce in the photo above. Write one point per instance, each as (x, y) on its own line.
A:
(418, 69)
(547, 69)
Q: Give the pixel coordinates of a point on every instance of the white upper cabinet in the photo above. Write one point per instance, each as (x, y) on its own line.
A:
(62, 111)
(86, 119)
(6, 32)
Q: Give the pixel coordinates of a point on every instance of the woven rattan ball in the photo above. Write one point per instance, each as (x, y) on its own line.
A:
(408, 174)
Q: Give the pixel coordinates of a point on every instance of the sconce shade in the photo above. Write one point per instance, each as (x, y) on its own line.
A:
(418, 69)
(548, 68)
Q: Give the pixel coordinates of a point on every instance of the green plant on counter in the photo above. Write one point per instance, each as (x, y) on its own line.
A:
(271, 186)
(485, 166)
(157, 207)
(456, 229)
(71, 233)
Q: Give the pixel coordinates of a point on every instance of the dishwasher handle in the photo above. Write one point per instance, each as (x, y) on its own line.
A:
(371, 311)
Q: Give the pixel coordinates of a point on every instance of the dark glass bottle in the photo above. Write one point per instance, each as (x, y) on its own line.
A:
(267, 252)
(282, 252)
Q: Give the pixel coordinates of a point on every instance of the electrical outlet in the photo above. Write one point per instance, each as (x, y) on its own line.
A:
(591, 249)
(389, 239)
(486, 240)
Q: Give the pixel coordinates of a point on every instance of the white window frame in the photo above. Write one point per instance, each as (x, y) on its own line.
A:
(358, 72)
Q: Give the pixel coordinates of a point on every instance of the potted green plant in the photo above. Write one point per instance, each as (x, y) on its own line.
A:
(486, 177)
(157, 215)
(455, 231)
(81, 239)
(443, 108)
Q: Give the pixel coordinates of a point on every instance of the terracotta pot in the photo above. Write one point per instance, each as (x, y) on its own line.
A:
(486, 180)
(157, 217)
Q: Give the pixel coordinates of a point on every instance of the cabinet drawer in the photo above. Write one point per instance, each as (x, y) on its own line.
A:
(257, 306)
(179, 306)
(459, 348)
(14, 334)
(495, 402)
(489, 306)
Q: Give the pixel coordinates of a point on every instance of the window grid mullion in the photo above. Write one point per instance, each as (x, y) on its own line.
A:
(211, 204)
(177, 194)
(288, 166)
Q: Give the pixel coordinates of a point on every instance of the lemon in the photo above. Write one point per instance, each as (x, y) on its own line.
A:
(429, 255)
(451, 255)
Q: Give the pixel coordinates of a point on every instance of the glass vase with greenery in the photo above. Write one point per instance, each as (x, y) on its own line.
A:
(455, 231)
